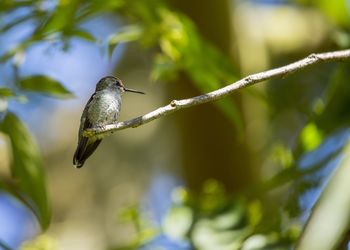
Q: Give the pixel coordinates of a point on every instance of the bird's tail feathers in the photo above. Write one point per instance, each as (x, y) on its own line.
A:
(85, 148)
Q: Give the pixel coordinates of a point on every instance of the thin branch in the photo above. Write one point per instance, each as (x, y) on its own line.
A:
(222, 92)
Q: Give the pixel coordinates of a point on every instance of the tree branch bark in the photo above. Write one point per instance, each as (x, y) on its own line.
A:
(222, 92)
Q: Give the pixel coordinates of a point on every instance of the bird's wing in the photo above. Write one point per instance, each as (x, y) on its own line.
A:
(86, 146)
(84, 121)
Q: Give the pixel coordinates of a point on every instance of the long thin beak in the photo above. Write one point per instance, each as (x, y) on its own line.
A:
(134, 91)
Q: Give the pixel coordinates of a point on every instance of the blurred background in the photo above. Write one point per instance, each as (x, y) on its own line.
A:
(239, 173)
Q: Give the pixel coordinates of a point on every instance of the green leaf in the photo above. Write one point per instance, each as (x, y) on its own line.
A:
(45, 85)
(83, 34)
(62, 19)
(27, 168)
(6, 92)
(177, 223)
(127, 34)
(311, 137)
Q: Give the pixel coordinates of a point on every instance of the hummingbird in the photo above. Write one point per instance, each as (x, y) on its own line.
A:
(102, 109)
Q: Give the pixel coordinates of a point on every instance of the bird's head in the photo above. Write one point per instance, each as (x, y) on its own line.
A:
(114, 84)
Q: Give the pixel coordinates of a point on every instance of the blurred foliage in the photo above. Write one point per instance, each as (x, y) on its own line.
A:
(44, 85)
(212, 219)
(6, 92)
(311, 137)
(152, 23)
(42, 242)
(145, 231)
(335, 10)
(332, 208)
(28, 183)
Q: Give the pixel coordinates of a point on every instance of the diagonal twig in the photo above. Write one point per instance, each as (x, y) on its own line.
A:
(222, 92)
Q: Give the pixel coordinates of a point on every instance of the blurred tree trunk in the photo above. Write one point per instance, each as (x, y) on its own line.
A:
(210, 147)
